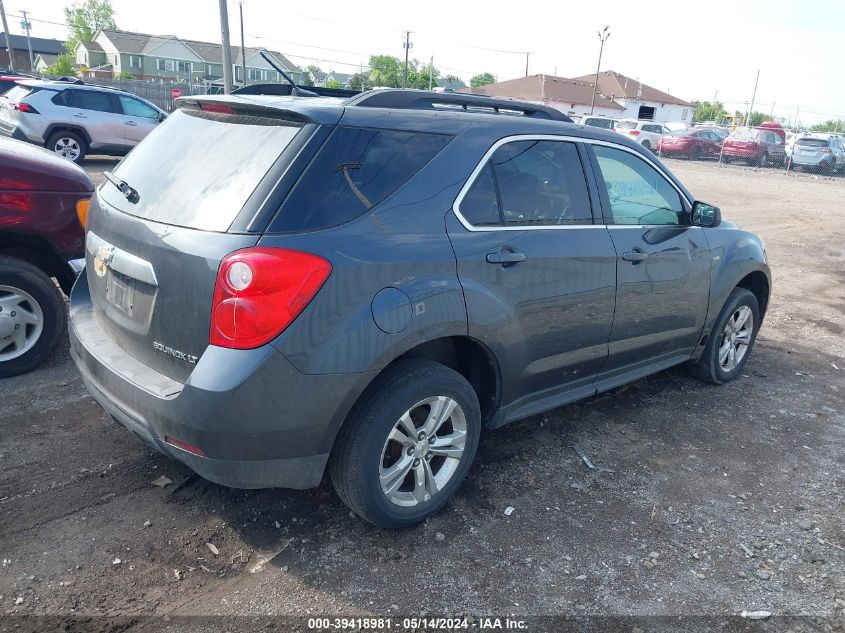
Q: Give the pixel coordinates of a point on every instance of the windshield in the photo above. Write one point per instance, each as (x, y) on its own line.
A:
(198, 169)
(745, 134)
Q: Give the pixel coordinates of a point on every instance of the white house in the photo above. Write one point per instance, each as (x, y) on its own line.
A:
(639, 100)
(570, 96)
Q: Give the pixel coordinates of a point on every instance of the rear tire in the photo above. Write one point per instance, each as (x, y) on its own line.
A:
(718, 364)
(30, 303)
(68, 145)
(376, 445)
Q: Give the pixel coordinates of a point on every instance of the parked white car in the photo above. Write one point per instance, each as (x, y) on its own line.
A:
(598, 121)
(646, 133)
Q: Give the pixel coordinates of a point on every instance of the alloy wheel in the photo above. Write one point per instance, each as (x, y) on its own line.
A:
(422, 451)
(736, 338)
(67, 147)
(21, 322)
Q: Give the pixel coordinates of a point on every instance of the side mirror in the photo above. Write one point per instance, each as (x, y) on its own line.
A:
(162, 116)
(706, 215)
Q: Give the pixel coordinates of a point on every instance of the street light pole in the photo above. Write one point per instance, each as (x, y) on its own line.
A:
(8, 38)
(25, 23)
(603, 35)
(243, 46)
(227, 51)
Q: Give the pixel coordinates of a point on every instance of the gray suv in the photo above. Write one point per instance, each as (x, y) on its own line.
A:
(277, 286)
(74, 119)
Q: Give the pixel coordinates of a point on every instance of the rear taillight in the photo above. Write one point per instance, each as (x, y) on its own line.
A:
(825, 150)
(24, 107)
(260, 291)
(633, 132)
(219, 108)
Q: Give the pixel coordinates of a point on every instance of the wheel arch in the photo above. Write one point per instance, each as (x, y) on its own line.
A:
(67, 127)
(39, 252)
(466, 355)
(758, 284)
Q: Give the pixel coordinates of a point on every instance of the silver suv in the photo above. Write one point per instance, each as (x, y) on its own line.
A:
(74, 119)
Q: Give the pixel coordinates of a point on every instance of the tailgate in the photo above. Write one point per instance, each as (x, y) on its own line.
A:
(159, 227)
(152, 286)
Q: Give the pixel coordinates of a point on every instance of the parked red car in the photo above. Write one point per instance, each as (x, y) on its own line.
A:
(755, 146)
(43, 205)
(695, 143)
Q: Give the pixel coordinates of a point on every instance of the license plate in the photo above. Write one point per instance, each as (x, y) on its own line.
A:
(120, 293)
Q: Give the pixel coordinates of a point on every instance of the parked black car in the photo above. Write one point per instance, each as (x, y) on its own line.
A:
(277, 284)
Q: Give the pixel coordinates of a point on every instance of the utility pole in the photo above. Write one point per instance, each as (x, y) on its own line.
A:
(431, 73)
(603, 35)
(227, 52)
(772, 113)
(526, 63)
(8, 38)
(407, 46)
(753, 95)
(26, 24)
(795, 124)
(243, 47)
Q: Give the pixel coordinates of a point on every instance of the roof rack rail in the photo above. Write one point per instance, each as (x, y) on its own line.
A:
(405, 99)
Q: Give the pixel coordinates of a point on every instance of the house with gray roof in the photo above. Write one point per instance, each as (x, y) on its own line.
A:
(170, 58)
(20, 50)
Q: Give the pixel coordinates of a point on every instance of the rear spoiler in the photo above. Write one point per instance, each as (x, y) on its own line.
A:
(285, 90)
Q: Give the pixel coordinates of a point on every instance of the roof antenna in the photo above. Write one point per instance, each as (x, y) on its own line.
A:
(294, 90)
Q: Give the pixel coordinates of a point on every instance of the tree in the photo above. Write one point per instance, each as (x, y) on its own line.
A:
(832, 125)
(359, 81)
(86, 19)
(483, 79)
(311, 70)
(707, 111)
(124, 75)
(386, 70)
(62, 67)
(757, 118)
(333, 83)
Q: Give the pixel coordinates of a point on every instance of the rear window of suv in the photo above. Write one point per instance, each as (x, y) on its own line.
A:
(813, 142)
(198, 169)
(627, 125)
(17, 93)
(356, 169)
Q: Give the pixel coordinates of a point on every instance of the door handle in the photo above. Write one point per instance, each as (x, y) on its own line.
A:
(506, 257)
(132, 123)
(634, 255)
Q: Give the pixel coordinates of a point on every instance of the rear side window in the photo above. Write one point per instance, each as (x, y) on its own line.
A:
(198, 169)
(61, 98)
(94, 100)
(529, 183)
(356, 169)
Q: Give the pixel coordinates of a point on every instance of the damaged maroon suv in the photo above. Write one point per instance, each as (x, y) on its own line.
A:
(43, 205)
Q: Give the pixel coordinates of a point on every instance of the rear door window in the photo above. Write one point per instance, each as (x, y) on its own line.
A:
(94, 100)
(529, 183)
(198, 169)
(356, 169)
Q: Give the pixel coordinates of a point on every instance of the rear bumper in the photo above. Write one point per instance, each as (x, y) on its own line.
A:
(739, 152)
(683, 150)
(14, 132)
(259, 422)
(811, 161)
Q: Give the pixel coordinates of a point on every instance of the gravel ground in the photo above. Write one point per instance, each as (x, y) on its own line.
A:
(706, 501)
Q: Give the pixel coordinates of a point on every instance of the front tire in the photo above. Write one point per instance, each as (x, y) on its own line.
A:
(731, 340)
(32, 316)
(408, 444)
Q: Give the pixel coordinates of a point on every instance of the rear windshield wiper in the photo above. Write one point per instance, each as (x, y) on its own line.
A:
(128, 191)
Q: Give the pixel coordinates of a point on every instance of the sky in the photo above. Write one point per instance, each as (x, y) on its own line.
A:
(674, 46)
